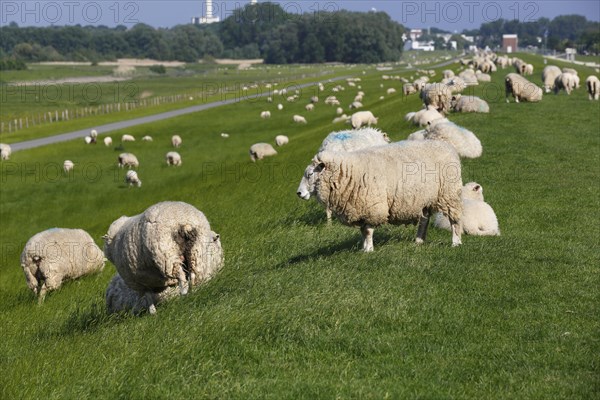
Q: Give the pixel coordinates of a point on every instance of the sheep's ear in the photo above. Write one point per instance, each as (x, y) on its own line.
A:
(477, 188)
(320, 167)
(216, 237)
(105, 237)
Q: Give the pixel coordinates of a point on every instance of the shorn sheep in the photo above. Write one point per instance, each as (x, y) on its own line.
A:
(128, 160)
(464, 141)
(593, 87)
(132, 179)
(57, 255)
(478, 217)
(521, 89)
(176, 141)
(361, 118)
(5, 151)
(467, 104)
(389, 184)
(169, 244)
(549, 75)
(281, 140)
(173, 158)
(258, 151)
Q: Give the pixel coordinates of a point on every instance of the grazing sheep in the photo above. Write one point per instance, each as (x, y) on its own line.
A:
(464, 141)
(408, 88)
(299, 119)
(339, 111)
(361, 118)
(486, 67)
(260, 150)
(281, 140)
(309, 107)
(593, 87)
(341, 118)
(521, 89)
(420, 83)
(93, 136)
(570, 71)
(225, 135)
(467, 104)
(5, 151)
(173, 158)
(549, 75)
(127, 138)
(528, 70)
(478, 217)
(87, 139)
(147, 138)
(314, 99)
(56, 255)
(520, 66)
(170, 243)
(128, 160)
(68, 166)
(176, 141)
(265, 114)
(356, 104)
(565, 81)
(437, 95)
(424, 117)
(280, 107)
(108, 141)
(131, 178)
(389, 184)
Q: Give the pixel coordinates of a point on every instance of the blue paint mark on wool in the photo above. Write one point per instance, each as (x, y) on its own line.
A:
(342, 136)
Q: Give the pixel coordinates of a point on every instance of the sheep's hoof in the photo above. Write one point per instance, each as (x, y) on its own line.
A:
(419, 241)
(152, 309)
(456, 244)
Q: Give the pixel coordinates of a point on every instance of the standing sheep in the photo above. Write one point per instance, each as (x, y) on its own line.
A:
(5, 151)
(549, 75)
(170, 243)
(260, 150)
(565, 81)
(147, 138)
(56, 255)
(299, 119)
(437, 95)
(128, 160)
(401, 183)
(173, 158)
(521, 89)
(281, 140)
(131, 178)
(593, 87)
(127, 138)
(93, 136)
(309, 107)
(361, 118)
(176, 141)
(108, 141)
(68, 166)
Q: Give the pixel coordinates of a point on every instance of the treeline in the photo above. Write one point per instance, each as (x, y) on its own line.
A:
(261, 30)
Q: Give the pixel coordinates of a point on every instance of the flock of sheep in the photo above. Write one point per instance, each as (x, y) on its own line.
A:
(356, 174)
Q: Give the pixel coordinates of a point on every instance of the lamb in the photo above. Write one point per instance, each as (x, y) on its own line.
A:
(173, 158)
(425, 116)
(437, 95)
(128, 160)
(299, 119)
(108, 141)
(260, 150)
(68, 166)
(469, 104)
(309, 107)
(521, 89)
(361, 118)
(478, 217)
(593, 87)
(56, 255)
(549, 75)
(147, 138)
(565, 81)
(176, 141)
(127, 138)
(281, 140)
(265, 114)
(389, 184)
(5, 151)
(131, 178)
(170, 243)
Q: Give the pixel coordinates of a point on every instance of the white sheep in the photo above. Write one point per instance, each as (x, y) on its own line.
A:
(361, 118)
(521, 89)
(448, 73)
(121, 298)
(5, 151)
(68, 166)
(147, 138)
(464, 141)
(437, 95)
(176, 141)
(280, 107)
(281, 140)
(341, 118)
(467, 104)
(408, 89)
(565, 81)
(56, 255)
(260, 150)
(169, 244)
(131, 178)
(128, 160)
(173, 158)
(225, 135)
(528, 69)
(593, 87)
(456, 84)
(481, 77)
(339, 111)
(87, 139)
(389, 184)
(549, 75)
(127, 138)
(314, 99)
(108, 141)
(309, 107)
(570, 70)
(468, 77)
(299, 119)
(356, 104)
(265, 114)
(390, 91)
(478, 217)
(93, 136)
(424, 117)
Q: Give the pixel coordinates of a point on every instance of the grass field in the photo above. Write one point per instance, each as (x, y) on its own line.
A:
(298, 311)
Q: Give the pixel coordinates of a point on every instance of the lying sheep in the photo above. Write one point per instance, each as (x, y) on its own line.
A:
(456, 84)
(467, 104)
(481, 77)
(265, 114)
(281, 140)
(260, 150)
(448, 73)
(424, 117)
(464, 141)
(389, 184)
(5, 151)
(280, 107)
(57, 255)
(225, 135)
(68, 166)
(361, 118)
(173, 158)
(549, 75)
(593, 87)
(128, 160)
(339, 111)
(521, 89)
(469, 78)
(299, 119)
(108, 141)
(478, 217)
(390, 91)
(169, 244)
(437, 95)
(147, 138)
(132, 179)
(127, 138)
(565, 81)
(356, 104)
(341, 118)
(176, 141)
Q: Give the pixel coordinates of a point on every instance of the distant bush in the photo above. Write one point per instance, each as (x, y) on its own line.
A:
(159, 69)
(7, 64)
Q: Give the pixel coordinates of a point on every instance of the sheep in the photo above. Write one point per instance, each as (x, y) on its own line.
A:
(108, 141)
(565, 81)
(593, 87)
(339, 111)
(128, 160)
(281, 140)
(549, 75)
(5, 151)
(390, 91)
(299, 119)
(521, 89)
(56, 255)
(260, 150)
(356, 104)
(121, 298)
(448, 73)
(87, 139)
(469, 78)
(309, 107)
(68, 166)
(93, 136)
(478, 217)
(269, 99)
(127, 138)
(464, 141)
(341, 118)
(520, 66)
(424, 117)
(147, 138)
(170, 243)
(419, 84)
(389, 184)
(176, 141)
(408, 89)
(469, 104)
(437, 95)
(131, 178)
(481, 77)
(570, 71)
(173, 158)
(361, 118)
(456, 84)
(265, 114)
(486, 67)
(225, 135)
(280, 106)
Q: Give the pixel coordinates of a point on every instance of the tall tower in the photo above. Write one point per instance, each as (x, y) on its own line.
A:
(209, 17)
(253, 1)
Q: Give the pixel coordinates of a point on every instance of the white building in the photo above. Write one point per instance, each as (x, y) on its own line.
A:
(208, 17)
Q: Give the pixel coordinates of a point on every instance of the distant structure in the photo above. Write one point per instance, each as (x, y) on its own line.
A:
(510, 43)
(209, 17)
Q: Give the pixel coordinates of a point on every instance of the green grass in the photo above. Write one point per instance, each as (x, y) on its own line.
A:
(298, 311)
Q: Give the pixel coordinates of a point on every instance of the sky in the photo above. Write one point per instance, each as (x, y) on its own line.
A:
(448, 15)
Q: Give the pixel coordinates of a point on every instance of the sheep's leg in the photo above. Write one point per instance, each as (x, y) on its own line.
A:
(183, 287)
(456, 228)
(328, 213)
(367, 233)
(422, 229)
(42, 290)
(150, 302)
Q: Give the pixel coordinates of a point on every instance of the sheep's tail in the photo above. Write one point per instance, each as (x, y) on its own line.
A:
(189, 237)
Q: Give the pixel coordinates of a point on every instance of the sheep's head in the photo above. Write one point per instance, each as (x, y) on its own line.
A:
(114, 228)
(308, 183)
(472, 191)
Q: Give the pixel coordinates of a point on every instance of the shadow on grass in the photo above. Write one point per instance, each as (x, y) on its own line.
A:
(348, 245)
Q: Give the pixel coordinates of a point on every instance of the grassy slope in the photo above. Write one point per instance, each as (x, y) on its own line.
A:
(298, 311)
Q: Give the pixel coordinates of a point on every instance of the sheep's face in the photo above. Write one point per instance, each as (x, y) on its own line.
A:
(309, 180)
